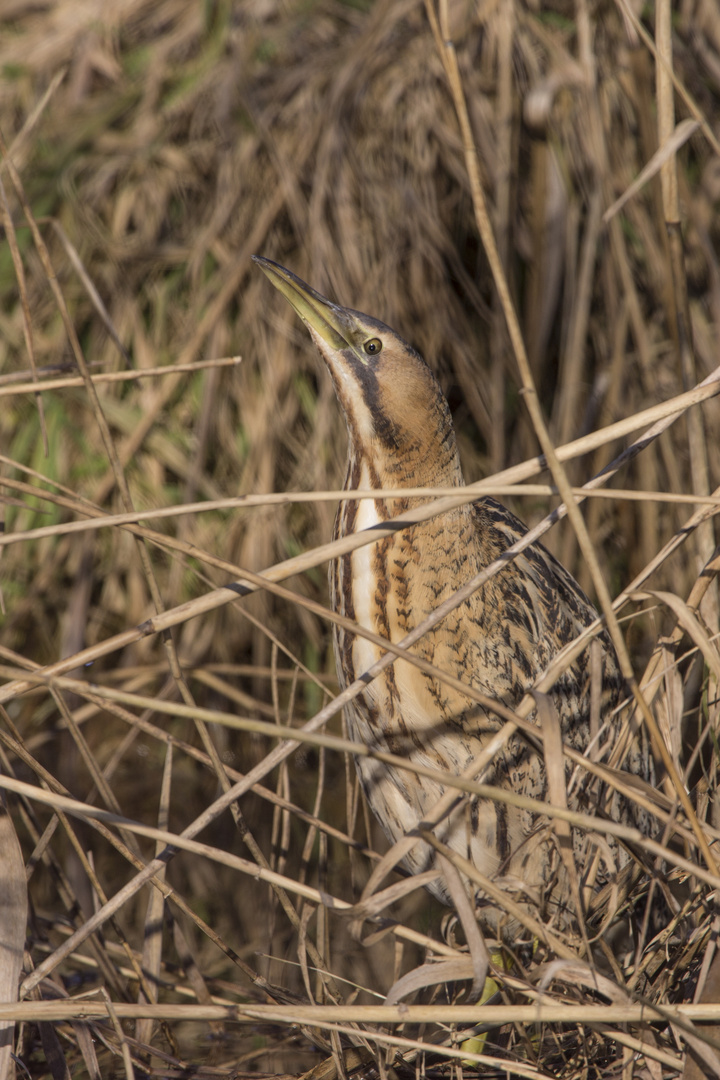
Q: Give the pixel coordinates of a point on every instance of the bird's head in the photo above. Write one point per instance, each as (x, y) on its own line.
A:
(395, 411)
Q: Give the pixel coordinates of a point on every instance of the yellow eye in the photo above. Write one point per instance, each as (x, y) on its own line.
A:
(373, 346)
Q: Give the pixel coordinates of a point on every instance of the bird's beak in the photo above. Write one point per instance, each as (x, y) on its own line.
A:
(333, 324)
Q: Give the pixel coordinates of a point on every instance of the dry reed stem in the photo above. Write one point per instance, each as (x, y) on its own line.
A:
(667, 70)
(667, 150)
(9, 228)
(458, 783)
(222, 596)
(158, 216)
(541, 1011)
(548, 448)
(68, 381)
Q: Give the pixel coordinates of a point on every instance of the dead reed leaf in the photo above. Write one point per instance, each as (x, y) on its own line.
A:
(689, 621)
(434, 974)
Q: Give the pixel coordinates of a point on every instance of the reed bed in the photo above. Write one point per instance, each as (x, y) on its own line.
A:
(529, 194)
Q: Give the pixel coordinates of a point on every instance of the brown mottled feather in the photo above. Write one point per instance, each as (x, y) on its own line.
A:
(400, 434)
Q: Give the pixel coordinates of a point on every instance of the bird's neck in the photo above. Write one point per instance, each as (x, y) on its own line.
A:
(424, 461)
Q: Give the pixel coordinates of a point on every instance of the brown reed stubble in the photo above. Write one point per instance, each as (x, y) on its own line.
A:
(167, 169)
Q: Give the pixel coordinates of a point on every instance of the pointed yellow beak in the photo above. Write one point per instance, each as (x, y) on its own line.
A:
(333, 324)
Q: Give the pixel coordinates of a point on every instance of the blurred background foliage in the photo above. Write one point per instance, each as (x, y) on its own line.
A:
(178, 139)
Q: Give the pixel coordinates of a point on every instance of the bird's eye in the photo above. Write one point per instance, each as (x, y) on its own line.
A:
(373, 346)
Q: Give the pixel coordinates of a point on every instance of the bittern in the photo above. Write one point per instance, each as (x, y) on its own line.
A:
(401, 435)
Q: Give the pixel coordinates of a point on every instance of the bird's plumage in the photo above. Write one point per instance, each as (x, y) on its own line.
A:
(400, 434)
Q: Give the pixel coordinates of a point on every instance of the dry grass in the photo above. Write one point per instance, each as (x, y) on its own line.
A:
(158, 145)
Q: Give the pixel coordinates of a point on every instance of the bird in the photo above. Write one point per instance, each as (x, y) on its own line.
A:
(401, 436)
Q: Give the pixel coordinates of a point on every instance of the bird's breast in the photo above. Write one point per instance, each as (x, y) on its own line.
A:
(364, 592)
(389, 588)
